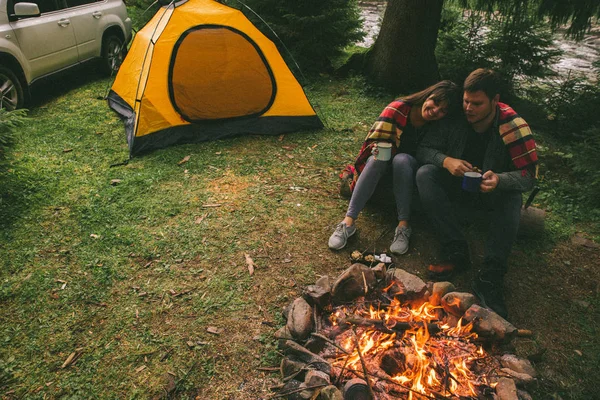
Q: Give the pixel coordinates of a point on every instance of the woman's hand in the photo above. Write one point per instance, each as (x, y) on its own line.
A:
(456, 166)
(374, 149)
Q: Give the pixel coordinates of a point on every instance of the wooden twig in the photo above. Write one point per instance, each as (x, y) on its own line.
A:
(362, 361)
(331, 342)
(298, 390)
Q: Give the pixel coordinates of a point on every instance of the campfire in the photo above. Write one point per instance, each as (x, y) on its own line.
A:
(377, 334)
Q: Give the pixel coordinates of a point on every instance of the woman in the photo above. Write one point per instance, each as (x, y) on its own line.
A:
(398, 124)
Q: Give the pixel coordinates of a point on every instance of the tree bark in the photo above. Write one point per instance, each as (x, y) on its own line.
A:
(402, 58)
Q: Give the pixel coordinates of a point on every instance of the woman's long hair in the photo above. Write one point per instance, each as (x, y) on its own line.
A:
(441, 91)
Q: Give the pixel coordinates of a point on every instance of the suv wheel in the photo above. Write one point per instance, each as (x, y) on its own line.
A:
(11, 91)
(113, 52)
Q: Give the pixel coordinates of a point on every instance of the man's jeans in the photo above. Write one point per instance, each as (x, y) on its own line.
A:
(438, 189)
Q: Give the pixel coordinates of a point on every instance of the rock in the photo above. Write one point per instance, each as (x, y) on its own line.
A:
(282, 335)
(351, 283)
(407, 285)
(517, 364)
(519, 378)
(523, 395)
(298, 353)
(439, 290)
(324, 282)
(330, 393)
(306, 394)
(489, 324)
(379, 270)
(506, 389)
(291, 386)
(300, 319)
(314, 378)
(289, 368)
(317, 295)
(456, 303)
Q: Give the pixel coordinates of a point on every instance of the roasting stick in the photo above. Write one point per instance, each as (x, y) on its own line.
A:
(362, 361)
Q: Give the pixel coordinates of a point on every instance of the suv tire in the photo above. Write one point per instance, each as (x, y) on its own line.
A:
(11, 90)
(113, 53)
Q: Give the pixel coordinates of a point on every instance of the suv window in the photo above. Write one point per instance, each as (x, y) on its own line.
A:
(44, 5)
(75, 3)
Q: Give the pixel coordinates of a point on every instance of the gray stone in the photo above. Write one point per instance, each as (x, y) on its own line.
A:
(506, 389)
(317, 295)
(330, 393)
(519, 378)
(407, 285)
(306, 394)
(379, 270)
(291, 386)
(300, 319)
(456, 303)
(439, 290)
(282, 335)
(517, 364)
(298, 353)
(523, 395)
(289, 368)
(351, 283)
(314, 378)
(324, 282)
(489, 324)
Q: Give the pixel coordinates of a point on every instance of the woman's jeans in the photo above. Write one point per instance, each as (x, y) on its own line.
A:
(404, 167)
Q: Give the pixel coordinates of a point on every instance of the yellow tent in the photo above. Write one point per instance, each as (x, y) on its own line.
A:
(199, 71)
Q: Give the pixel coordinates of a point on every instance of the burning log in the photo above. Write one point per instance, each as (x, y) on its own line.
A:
(393, 362)
(380, 325)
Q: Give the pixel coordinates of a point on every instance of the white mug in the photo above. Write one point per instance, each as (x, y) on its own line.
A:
(384, 151)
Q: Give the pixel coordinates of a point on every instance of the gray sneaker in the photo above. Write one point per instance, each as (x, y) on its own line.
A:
(400, 243)
(340, 236)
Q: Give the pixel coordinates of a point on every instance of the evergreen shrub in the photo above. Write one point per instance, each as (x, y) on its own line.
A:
(316, 32)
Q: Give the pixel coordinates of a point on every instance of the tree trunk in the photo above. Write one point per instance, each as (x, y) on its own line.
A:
(402, 57)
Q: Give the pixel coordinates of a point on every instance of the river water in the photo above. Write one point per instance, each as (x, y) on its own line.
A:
(577, 57)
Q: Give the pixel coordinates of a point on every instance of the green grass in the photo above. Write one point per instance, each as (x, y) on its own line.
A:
(123, 274)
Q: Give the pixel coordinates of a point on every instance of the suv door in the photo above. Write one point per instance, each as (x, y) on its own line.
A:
(48, 41)
(85, 16)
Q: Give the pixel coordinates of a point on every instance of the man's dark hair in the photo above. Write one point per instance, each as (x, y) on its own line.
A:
(483, 79)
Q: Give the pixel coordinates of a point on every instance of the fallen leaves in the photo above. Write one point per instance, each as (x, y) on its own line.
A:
(73, 357)
(250, 264)
(214, 330)
(115, 182)
(184, 160)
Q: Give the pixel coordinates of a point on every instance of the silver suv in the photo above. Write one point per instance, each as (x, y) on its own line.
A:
(41, 37)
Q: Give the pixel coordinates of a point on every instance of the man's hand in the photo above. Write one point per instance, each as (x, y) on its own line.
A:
(456, 166)
(489, 182)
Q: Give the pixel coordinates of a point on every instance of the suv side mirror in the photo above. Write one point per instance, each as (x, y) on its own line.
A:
(24, 10)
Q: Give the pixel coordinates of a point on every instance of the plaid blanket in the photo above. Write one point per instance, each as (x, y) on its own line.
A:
(387, 128)
(517, 137)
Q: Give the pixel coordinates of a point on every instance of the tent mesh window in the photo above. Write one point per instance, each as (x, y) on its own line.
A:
(218, 72)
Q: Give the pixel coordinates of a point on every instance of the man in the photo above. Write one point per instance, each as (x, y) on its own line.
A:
(499, 142)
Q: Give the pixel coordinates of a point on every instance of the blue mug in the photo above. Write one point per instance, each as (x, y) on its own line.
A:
(471, 181)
